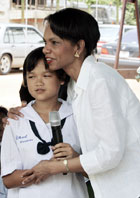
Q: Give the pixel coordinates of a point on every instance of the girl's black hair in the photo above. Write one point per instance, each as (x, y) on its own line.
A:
(74, 25)
(30, 63)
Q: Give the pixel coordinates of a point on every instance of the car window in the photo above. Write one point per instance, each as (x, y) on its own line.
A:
(130, 37)
(102, 14)
(109, 32)
(7, 36)
(33, 36)
(14, 35)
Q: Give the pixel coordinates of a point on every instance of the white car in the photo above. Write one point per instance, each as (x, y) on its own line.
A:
(16, 41)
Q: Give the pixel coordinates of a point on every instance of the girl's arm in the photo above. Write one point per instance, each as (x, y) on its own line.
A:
(15, 179)
(63, 151)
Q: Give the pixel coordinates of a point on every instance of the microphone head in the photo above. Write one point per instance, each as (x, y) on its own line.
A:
(54, 118)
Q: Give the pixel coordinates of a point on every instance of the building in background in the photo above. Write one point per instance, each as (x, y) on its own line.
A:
(33, 13)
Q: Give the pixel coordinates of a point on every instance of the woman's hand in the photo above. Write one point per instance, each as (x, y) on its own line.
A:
(42, 171)
(13, 113)
(63, 151)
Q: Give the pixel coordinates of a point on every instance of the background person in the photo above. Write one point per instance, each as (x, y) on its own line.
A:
(3, 114)
(33, 133)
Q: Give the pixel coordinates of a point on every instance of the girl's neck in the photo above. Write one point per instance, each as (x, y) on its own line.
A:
(43, 109)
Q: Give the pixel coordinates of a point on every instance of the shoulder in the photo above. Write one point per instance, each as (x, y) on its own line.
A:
(65, 109)
(26, 111)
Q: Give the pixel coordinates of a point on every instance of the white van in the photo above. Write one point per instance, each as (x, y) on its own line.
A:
(105, 14)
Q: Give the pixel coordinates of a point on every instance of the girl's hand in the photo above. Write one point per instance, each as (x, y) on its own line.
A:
(63, 151)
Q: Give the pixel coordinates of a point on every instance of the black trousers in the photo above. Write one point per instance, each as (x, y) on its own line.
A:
(90, 190)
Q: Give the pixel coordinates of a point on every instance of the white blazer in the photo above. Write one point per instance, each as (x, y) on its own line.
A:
(107, 114)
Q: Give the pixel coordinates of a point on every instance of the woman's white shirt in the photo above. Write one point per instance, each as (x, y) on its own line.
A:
(107, 114)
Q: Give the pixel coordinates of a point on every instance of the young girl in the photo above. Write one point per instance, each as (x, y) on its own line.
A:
(21, 148)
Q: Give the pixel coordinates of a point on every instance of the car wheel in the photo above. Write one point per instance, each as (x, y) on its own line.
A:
(5, 64)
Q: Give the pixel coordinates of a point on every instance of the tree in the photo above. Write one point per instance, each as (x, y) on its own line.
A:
(130, 17)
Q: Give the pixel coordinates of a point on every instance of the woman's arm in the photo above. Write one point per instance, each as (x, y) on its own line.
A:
(46, 168)
(15, 179)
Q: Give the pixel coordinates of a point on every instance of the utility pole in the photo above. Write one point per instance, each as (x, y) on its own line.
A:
(117, 11)
(135, 2)
(35, 12)
(57, 5)
(22, 11)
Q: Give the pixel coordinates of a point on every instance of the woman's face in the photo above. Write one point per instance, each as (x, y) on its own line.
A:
(43, 84)
(59, 53)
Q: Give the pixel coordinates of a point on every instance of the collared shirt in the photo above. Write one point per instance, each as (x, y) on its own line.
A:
(3, 190)
(107, 114)
(19, 152)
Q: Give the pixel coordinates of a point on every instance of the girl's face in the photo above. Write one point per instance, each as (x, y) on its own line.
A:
(43, 84)
(59, 53)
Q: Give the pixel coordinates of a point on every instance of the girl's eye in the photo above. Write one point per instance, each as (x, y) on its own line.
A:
(31, 77)
(54, 42)
(47, 75)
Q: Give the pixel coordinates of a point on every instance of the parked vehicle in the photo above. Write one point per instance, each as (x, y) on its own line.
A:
(129, 53)
(16, 41)
(105, 14)
(109, 33)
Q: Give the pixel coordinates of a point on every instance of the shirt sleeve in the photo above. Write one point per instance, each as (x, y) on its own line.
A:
(10, 156)
(108, 109)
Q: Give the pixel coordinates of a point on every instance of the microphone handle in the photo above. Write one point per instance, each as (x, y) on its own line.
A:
(57, 135)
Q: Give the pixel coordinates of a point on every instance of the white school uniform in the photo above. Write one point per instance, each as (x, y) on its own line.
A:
(19, 151)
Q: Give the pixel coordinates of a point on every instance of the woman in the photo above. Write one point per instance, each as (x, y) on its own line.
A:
(106, 111)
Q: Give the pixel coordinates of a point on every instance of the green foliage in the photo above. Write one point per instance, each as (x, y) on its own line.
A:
(130, 17)
(130, 14)
(104, 2)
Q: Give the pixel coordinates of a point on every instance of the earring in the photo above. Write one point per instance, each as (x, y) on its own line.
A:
(76, 54)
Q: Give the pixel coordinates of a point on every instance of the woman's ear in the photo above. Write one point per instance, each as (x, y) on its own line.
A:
(62, 83)
(80, 46)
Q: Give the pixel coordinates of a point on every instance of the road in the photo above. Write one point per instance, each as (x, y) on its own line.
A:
(9, 89)
(10, 85)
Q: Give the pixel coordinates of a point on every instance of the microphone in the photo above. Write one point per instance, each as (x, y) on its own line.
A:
(55, 121)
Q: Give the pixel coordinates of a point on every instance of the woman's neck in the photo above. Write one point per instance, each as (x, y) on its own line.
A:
(73, 70)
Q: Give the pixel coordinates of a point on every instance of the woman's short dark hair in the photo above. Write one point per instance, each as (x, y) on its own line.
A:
(74, 25)
(30, 63)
